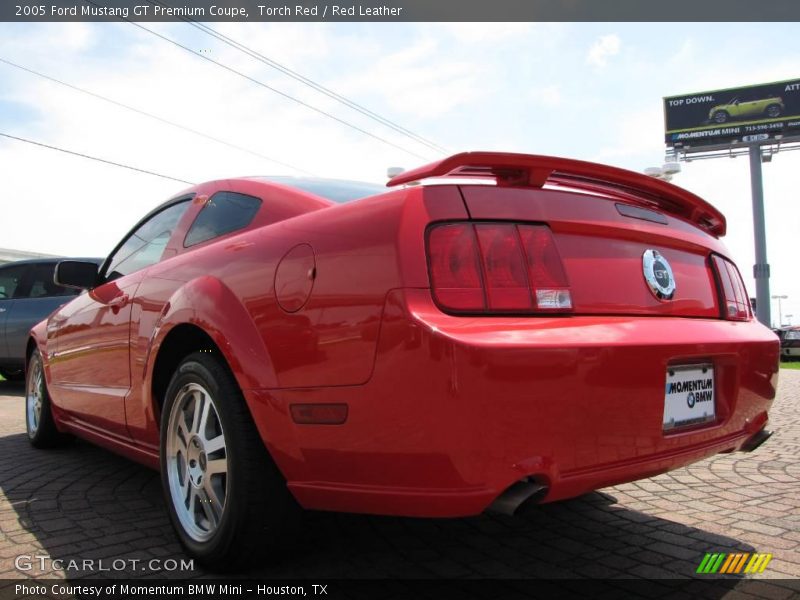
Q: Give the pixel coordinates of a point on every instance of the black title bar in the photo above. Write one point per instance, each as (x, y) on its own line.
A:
(401, 10)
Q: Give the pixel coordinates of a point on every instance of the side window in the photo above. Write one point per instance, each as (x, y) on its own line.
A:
(10, 278)
(223, 213)
(145, 246)
(39, 283)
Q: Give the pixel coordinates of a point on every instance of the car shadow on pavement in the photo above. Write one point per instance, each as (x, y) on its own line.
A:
(82, 503)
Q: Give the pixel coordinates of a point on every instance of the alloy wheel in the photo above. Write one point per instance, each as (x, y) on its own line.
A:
(34, 391)
(197, 462)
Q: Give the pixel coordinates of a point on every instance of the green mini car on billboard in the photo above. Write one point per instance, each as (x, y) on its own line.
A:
(737, 109)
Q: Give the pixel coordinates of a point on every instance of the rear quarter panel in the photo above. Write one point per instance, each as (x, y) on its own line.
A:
(362, 250)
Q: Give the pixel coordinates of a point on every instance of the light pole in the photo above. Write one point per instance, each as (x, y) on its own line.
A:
(780, 314)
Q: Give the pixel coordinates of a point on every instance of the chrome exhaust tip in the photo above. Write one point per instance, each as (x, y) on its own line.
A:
(754, 442)
(516, 496)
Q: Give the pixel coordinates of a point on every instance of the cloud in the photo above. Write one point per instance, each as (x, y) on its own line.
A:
(685, 54)
(83, 208)
(419, 80)
(487, 32)
(605, 47)
(639, 133)
(549, 95)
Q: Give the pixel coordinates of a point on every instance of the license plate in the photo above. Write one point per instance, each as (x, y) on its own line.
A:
(689, 397)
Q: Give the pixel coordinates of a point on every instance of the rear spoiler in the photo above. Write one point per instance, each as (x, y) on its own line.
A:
(531, 170)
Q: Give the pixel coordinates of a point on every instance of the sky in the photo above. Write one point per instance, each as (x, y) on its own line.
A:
(583, 90)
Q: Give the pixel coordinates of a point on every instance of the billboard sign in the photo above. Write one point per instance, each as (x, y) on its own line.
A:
(747, 114)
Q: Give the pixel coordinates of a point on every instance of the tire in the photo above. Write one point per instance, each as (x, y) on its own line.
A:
(773, 111)
(39, 421)
(720, 116)
(227, 501)
(12, 375)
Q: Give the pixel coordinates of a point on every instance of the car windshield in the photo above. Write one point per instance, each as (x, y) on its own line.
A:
(335, 190)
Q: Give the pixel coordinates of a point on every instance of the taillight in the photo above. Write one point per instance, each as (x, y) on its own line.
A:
(504, 267)
(497, 267)
(546, 271)
(735, 301)
(455, 267)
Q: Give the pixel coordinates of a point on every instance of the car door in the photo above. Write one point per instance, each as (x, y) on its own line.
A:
(91, 367)
(35, 298)
(10, 278)
(734, 108)
(749, 108)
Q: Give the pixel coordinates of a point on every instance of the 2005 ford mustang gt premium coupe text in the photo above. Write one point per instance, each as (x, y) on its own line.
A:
(513, 329)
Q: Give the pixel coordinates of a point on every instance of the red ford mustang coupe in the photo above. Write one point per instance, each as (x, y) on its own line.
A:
(491, 331)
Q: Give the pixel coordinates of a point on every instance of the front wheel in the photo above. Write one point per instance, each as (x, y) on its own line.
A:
(39, 422)
(227, 500)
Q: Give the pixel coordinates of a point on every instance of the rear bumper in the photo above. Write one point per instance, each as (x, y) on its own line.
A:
(458, 409)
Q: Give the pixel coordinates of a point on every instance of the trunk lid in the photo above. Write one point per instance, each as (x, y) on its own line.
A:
(602, 240)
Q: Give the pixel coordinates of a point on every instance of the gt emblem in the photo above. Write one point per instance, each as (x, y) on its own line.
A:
(658, 275)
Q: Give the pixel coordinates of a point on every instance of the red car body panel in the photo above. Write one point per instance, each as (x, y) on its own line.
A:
(544, 401)
(323, 303)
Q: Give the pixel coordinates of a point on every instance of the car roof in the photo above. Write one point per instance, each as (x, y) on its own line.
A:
(334, 190)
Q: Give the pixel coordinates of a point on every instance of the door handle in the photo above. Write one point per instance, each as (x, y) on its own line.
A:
(2, 310)
(119, 301)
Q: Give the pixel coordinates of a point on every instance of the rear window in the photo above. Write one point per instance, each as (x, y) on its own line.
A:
(335, 190)
(223, 213)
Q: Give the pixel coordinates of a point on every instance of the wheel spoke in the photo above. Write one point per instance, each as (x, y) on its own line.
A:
(186, 490)
(217, 466)
(214, 444)
(183, 433)
(198, 405)
(204, 418)
(214, 500)
(208, 509)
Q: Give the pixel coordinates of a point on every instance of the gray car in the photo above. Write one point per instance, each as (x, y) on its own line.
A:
(27, 295)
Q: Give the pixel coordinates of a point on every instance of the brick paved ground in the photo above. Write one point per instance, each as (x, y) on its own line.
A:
(83, 502)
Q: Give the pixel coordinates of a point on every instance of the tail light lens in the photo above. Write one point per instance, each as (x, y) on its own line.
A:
(735, 301)
(455, 266)
(497, 267)
(504, 267)
(545, 269)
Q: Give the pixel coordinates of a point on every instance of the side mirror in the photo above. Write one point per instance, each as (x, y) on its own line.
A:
(78, 274)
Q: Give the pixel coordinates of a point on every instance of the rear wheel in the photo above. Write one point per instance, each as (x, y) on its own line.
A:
(227, 500)
(39, 422)
(773, 111)
(720, 116)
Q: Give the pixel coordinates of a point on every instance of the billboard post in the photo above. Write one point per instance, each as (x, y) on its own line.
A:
(761, 268)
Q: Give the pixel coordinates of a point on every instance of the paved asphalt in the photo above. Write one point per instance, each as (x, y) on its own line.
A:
(83, 503)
